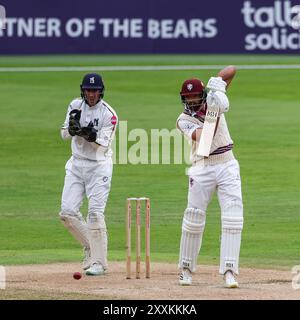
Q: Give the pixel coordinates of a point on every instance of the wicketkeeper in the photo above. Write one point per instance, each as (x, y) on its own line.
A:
(218, 172)
(90, 123)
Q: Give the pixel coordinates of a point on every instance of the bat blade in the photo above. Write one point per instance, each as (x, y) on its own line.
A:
(208, 131)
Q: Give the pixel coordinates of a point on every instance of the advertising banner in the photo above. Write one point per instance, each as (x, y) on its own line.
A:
(156, 26)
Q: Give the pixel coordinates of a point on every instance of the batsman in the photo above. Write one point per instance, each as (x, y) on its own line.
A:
(218, 171)
(90, 123)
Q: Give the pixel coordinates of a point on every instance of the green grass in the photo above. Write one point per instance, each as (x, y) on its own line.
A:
(263, 121)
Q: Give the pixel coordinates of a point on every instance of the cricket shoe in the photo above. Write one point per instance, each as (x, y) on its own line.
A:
(230, 281)
(185, 277)
(86, 263)
(96, 269)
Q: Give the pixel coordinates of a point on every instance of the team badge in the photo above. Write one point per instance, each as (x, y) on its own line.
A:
(190, 86)
(92, 80)
(105, 179)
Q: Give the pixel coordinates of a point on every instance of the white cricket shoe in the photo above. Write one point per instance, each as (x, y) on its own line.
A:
(86, 263)
(230, 281)
(185, 277)
(96, 269)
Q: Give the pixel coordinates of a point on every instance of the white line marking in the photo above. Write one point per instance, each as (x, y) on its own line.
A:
(148, 68)
(2, 277)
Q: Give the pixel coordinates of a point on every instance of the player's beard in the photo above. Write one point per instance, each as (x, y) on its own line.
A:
(195, 106)
(196, 110)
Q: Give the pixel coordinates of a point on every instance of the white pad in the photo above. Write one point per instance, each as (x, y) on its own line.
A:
(98, 239)
(232, 225)
(77, 227)
(218, 99)
(216, 84)
(192, 230)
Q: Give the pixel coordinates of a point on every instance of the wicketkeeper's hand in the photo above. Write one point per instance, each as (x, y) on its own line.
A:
(219, 99)
(89, 133)
(216, 84)
(74, 122)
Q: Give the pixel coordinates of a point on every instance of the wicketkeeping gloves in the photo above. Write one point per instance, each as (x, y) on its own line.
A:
(89, 133)
(74, 122)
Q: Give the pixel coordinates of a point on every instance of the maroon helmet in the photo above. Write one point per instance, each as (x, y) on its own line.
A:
(196, 88)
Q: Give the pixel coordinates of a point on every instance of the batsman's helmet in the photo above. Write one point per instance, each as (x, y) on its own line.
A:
(192, 87)
(92, 81)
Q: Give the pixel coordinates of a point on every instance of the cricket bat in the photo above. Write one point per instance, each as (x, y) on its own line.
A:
(208, 131)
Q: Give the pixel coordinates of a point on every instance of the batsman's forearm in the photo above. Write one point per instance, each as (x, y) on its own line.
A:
(227, 74)
(196, 135)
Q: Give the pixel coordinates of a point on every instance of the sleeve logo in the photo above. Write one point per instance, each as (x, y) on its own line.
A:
(114, 120)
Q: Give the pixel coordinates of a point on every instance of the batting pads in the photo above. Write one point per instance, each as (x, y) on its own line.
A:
(192, 230)
(98, 239)
(232, 225)
(77, 226)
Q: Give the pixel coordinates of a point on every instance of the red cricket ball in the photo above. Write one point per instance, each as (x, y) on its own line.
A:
(77, 275)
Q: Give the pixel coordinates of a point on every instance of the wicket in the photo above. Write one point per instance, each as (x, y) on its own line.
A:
(138, 236)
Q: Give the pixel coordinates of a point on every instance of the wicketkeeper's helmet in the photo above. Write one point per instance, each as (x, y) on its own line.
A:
(92, 81)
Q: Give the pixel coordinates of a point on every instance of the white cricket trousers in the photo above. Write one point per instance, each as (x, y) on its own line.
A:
(225, 179)
(90, 178)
